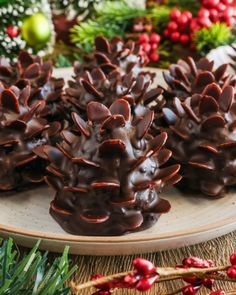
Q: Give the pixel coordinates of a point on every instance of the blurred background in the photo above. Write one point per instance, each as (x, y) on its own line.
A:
(166, 30)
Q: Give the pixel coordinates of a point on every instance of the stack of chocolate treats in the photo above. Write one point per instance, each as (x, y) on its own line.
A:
(111, 140)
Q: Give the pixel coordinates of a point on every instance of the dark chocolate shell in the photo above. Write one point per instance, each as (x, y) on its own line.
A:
(108, 179)
(202, 138)
(22, 132)
(36, 73)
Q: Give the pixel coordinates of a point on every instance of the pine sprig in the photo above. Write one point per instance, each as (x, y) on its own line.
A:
(207, 39)
(83, 35)
(111, 19)
(32, 275)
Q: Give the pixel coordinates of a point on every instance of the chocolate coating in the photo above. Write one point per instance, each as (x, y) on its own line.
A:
(188, 77)
(34, 72)
(201, 134)
(22, 133)
(114, 54)
(108, 180)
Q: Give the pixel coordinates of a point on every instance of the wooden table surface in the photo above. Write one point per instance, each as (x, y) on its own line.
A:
(218, 250)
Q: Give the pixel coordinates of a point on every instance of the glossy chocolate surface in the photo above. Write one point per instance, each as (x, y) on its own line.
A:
(108, 180)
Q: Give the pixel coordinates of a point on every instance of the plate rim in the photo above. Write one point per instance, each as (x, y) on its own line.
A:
(116, 239)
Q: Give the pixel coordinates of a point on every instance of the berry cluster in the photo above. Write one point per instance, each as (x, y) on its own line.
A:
(183, 25)
(148, 46)
(141, 279)
(178, 27)
(196, 272)
(218, 11)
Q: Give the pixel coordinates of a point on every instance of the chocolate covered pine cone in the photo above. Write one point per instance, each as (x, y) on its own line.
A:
(107, 88)
(32, 71)
(108, 180)
(109, 74)
(114, 54)
(22, 132)
(189, 77)
(202, 139)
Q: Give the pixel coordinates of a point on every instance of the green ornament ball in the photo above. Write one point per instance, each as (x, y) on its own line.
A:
(36, 30)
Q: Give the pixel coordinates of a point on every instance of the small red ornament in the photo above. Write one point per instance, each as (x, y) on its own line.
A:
(12, 31)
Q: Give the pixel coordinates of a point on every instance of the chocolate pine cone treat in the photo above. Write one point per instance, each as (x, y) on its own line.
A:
(106, 88)
(108, 180)
(32, 71)
(201, 135)
(22, 133)
(114, 54)
(189, 77)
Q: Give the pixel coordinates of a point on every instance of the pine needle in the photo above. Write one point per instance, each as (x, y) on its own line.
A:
(32, 274)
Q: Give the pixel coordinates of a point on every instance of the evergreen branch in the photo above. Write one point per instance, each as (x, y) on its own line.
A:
(207, 39)
(83, 35)
(32, 275)
(117, 12)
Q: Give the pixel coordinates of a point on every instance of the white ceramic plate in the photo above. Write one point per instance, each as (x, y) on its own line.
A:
(24, 216)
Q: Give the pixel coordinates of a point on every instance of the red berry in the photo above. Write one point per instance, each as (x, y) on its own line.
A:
(154, 47)
(208, 283)
(188, 290)
(197, 262)
(227, 2)
(214, 15)
(233, 259)
(205, 22)
(12, 31)
(217, 292)
(146, 47)
(194, 26)
(231, 272)
(229, 12)
(166, 33)
(175, 36)
(104, 286)
(154, 57)
(210, 3)
(191, 280)
(182, 20)
(220, 7)
(155, 38)
(130, 279)
(172, 26)
(203, 13)
(143, 38)
(184, 39)
(175, 14)
(143, 266)
(230, 21)
(188, 14)
(146, 283)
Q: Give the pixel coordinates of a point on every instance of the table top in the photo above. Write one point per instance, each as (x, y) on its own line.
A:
(218, 250)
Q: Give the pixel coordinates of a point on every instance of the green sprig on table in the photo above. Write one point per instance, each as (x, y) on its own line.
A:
(33, 274)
